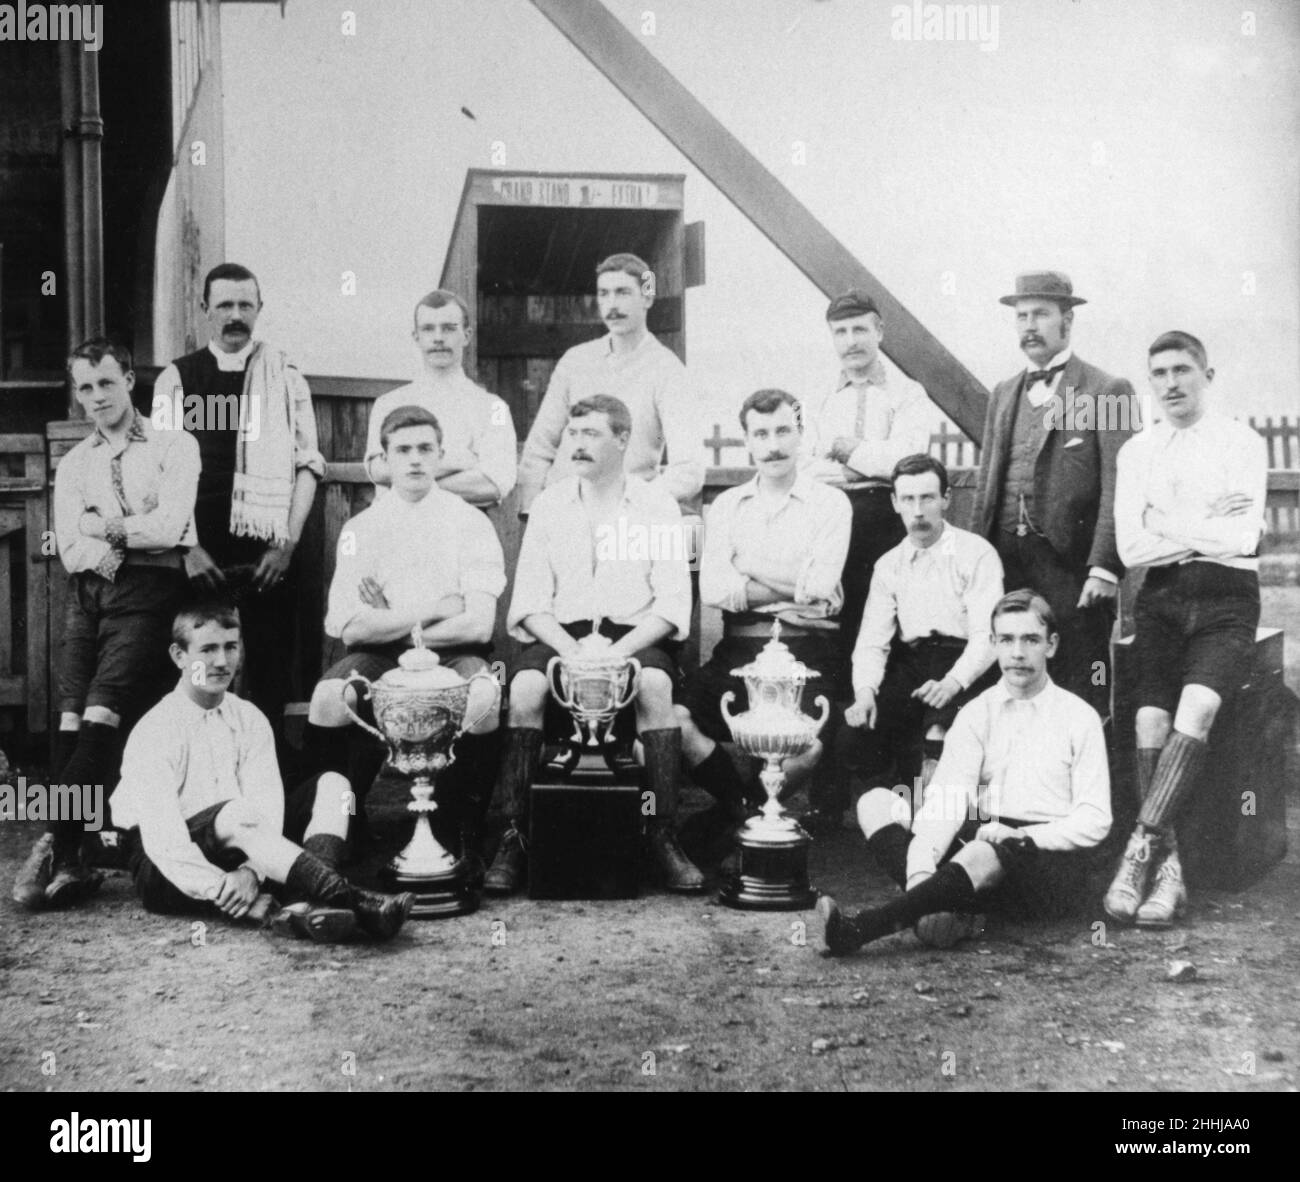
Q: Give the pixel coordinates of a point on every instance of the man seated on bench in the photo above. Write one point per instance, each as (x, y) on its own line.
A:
(1020, 796)
(774, 549)
(1189, 504)
(419, 558)
(205, 810)
(923, 650)
(602, 546)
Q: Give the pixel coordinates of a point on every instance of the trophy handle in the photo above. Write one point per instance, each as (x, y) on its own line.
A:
(551, 681)
(492, 705)
(355, 679)
(723, 703)
(633, 683)
(825, 708)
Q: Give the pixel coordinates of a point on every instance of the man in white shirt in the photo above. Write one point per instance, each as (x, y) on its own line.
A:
(205, 810)
(630, 364)
(478, 435)
(123, 513)
(856, 432)
(773, 550)
(1189, 506)
(1021, 795)
(923, 650)
(419, 558)
(605, 552)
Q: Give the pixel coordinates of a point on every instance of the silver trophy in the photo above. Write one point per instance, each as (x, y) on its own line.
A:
(593, 685)
(420, 708)
(773, 866)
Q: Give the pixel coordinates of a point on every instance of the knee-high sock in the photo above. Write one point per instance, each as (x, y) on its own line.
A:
(889, 846)
(473, 778)
(521, 748)
(663, 766)
(366, 757)
(948, 889)
(310, 878)
(96, 759)
(1174, 779)
(717, 775)
(325, 748)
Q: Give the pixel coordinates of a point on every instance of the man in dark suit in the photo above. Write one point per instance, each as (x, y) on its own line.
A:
(1047, 481)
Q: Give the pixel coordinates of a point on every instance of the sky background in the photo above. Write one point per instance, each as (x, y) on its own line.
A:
(1148, 148)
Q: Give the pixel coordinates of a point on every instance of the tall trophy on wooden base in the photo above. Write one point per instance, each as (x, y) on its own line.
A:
(420, 708)
(773, 865)
(585, 804)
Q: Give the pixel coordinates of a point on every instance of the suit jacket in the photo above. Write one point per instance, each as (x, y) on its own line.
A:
(1074, 474)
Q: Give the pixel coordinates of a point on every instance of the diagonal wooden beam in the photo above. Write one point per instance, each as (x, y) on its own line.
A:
(757, 193)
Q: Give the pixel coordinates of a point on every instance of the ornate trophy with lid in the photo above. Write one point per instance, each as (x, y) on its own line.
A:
(773, 870)
(593, 685)
(420, 708)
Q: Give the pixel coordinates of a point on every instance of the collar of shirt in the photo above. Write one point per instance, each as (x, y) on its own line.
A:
(191, 711)
(877, 375)
(945, 545)
(135, 433)
(231, 362)
(634, 490)
(803, 489)
(648, 341)
(1210, 423)
(1000, 695)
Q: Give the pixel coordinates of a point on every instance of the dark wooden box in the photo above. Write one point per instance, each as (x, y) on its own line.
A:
(1234, 829)
(585, 841)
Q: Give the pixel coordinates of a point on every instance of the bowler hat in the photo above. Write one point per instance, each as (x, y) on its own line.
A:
(1044, 285)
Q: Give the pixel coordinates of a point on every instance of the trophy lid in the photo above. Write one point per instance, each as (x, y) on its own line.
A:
(775, 662)
(421, 668)
(593, 652)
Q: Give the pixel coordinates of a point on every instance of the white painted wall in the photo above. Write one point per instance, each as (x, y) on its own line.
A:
(1146, 147)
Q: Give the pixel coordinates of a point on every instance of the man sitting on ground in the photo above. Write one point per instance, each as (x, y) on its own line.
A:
(208, 822)
(1020, 795)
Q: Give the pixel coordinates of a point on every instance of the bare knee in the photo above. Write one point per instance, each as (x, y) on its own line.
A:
(1198, 706)
(102, 715)
(528, 698)
(880, 807)
(980, 861)
(326, 708)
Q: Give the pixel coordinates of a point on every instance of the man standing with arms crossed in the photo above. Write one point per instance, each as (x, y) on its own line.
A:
(478, 436)
(1047, 481)
(1189, 506)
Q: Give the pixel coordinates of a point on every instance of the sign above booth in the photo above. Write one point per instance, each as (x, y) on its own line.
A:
(580, 192)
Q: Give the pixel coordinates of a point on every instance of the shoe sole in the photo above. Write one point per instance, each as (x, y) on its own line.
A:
(1161, 924)
(389, 922)
(1130, 918)
(322, 925)
(965, 927)
(66, 894)
(832, 924)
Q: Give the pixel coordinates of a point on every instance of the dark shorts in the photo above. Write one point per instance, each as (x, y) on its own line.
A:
(113, 651)
(373, 663)
(160, 895)
(1195, 626)
(1037, 884)
(902, 720)
(703, 692)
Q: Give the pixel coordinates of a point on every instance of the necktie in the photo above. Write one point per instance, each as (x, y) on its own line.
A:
(1046, 376)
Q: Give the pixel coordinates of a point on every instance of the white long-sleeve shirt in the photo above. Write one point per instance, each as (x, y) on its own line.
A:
(652, 382)
(1168, 477)
(890, 413)
(181, 759)
(1039, 759)
(950, 587)
(148, 479)
(807, 530)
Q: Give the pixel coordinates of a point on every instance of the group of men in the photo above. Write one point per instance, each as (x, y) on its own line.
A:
(840, 535)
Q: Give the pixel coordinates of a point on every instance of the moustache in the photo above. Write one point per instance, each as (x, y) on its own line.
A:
(776, 455)
(236, 326)
(581, 455)
(615, 316)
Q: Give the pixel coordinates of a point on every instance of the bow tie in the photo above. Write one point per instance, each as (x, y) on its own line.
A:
(1046, 376)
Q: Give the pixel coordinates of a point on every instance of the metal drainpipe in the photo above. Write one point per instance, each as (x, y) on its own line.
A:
(83, 210)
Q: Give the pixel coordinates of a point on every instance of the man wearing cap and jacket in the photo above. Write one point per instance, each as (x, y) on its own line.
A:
(1047, 481)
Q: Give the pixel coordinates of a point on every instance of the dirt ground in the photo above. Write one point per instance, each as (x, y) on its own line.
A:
(659, 993)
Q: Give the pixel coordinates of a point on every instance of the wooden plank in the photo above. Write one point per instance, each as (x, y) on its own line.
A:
(13, 689)
(534, 340)
(9, 444)
(694, 270)
(761, 197)
(7, 605)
